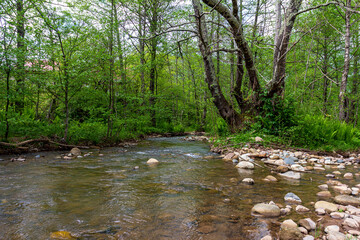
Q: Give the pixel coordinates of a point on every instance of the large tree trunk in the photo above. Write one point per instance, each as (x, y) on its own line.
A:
(241, 43)
(153, 52)
(226, 111)
(344, 77)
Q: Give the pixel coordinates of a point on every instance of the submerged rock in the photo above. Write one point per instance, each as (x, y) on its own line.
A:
(270, 178)
(61, 235)
(266, 210)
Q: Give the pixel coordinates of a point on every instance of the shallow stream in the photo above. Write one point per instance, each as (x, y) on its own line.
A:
(187, 196)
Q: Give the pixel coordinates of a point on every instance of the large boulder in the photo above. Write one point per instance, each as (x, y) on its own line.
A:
(245, 165)
(329, 207)
(347, 200)
(266, 210)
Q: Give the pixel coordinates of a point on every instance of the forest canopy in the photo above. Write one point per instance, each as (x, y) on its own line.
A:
(107, 70)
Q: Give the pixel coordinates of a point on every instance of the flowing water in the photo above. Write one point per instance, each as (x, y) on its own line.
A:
(187, 196)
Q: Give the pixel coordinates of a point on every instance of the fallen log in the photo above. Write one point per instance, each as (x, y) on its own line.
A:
(41, 140)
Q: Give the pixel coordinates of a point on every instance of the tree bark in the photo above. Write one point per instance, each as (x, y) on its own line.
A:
(226, 111)
(345, 73)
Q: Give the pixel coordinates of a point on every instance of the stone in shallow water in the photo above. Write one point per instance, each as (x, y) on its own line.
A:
(290, 234)
(245, 165)
(323, 187)
(292, 197)
(291, 175)
(266, 210)
(206, 229)
(61, 235)
(289, 223)
(329, 207)
(348, 176)
(249, 181)
(347, 200)
(300, 208)
(270, 178)
(324, 194)
(152, 161)
(332, 228)
(307, 223)
(297, 167)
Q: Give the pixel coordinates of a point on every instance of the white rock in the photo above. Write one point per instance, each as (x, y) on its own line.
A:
(336, 236)
(289, 223)
(249, 181)
(332, 228)
(245, 165)
(152, 161)
(297, 167)
(291, 175)
(337, 215)
(300, 208)
(308, 237)
(350, 222)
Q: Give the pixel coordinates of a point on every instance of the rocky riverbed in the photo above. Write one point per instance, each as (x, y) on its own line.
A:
(336, 214)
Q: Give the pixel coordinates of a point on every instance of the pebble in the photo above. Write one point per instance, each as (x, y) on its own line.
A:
(327, 206)
(289, 223)
(337, 215)
(270, 178)
(324, 194)
(291, 175)
(152, 161)
(308, 237)
(245, 165)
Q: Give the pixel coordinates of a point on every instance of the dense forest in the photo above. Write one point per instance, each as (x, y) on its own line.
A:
(100, 71)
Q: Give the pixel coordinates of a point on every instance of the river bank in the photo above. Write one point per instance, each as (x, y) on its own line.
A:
(334, 214)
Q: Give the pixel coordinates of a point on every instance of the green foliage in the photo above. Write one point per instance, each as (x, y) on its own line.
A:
(324, 133)
(87, 132)
(277, 116)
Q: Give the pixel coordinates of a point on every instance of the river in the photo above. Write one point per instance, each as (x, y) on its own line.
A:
(188, 195)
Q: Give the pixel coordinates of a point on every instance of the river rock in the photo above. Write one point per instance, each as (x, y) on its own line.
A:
(270, 178)
(267, 237)
(292, 197)
(297, 167)
(300, 208)
(348, 176)
(258, 139)
(266, 210)
(152, 161)
(332, 228)
(308, 237)
(75, 151)
(336, 236)
(229, 157)
(61, 235)
(329, 207)
(323, 187)
(343, 189)
(337, 215)
(351, 223)
(245, 165)
(291, 175)
(320, 211)
(289, 223)
(290, 160)
(282, 169)
(249, 181)
(206, 229)
(308, 224)
(324, 194)
(347, 200)
(336, 172)
(290, 234)
(279, 162)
